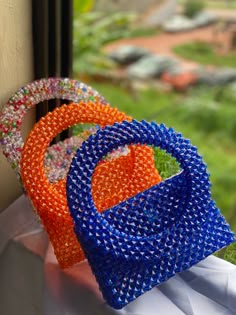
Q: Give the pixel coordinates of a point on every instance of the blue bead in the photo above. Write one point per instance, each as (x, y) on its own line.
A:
(147, 239)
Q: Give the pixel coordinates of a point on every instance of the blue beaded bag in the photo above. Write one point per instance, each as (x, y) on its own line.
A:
(145, 240)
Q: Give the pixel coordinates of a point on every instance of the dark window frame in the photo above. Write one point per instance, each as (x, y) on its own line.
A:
(52, 22)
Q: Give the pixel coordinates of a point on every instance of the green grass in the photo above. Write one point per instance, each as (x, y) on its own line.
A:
(166, 164)
(230, 253)
(144, 105)
(215, 4)
(143, 32)
(221, 4)
(205, 54)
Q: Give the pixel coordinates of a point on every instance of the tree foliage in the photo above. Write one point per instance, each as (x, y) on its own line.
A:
(92, 30)
(192, 7)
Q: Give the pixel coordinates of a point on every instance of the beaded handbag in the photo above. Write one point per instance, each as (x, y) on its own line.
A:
(114, 179)
(157, 233)
(26, 98)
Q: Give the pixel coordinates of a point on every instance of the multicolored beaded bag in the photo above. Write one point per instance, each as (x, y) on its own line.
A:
(28, 97)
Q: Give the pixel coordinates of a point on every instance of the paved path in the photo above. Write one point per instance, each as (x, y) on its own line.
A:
(163, 43)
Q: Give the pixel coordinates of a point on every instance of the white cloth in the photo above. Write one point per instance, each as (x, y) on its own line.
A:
(31, 283)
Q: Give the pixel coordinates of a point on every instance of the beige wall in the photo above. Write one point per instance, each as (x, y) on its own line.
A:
(16, 69)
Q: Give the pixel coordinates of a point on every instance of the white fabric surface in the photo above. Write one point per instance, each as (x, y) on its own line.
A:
(31, 283)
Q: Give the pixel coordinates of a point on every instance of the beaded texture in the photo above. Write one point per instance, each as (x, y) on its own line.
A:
(114, 179)
(59, 156)
(150, 237)
(26, 98)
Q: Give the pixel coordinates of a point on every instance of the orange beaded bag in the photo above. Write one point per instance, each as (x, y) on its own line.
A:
(114, 180)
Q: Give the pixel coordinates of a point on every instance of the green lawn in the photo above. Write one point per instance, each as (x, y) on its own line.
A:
(215, 4)
(205, 54)
(221, 4)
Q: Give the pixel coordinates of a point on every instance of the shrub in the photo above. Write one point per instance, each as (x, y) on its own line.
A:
(192, 7)
(92, 30)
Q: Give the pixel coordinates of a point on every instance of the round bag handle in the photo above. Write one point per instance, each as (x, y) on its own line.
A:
(26, 98)
(49, 199)
(130, 261)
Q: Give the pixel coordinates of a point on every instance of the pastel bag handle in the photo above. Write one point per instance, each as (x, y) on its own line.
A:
(110, 187)
(26, 98)
(164, 230)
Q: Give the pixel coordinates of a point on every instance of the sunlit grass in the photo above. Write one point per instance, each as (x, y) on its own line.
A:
(215, 4)
(205, 54)
(221, 4)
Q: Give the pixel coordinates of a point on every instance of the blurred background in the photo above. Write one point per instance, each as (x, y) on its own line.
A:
(172, 62)
(168, 61)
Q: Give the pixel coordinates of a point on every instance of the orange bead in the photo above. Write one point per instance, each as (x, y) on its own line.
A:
(113, 180)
